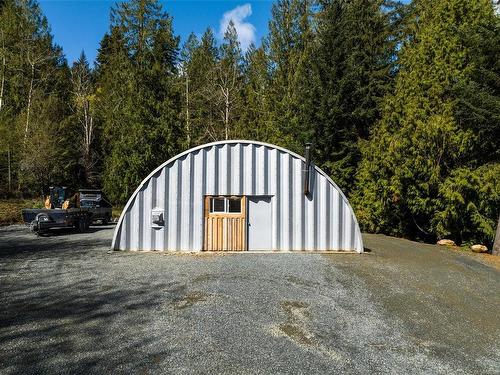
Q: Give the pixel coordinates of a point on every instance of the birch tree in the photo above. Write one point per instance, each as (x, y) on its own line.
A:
(83, 93)
(3, 57)
(228, 77)
(186, 74)
(33, 78)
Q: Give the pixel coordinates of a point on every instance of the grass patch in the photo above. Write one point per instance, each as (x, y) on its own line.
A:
(116, 212)
(10, 209)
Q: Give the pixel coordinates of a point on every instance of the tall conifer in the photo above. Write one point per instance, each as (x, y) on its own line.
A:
(417, 176)
(140, 95)
(353, 56)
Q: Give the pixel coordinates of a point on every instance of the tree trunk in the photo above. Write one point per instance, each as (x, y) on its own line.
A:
(9, 175)
(88, 130)
(28, 107)
(496, 245)
(188, 125)
(226, 116)
(3, 82)
(3, 72)
(86, 142)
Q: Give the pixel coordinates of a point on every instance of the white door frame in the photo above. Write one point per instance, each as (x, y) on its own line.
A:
(249, 213)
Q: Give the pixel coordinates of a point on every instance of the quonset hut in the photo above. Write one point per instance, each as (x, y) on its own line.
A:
(238, 196)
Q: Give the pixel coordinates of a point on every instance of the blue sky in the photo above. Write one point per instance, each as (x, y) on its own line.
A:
(80, 25)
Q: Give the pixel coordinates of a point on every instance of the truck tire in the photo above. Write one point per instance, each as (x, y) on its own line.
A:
(83, 225)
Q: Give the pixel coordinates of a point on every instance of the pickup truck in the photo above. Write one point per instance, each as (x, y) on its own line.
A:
(95, 201)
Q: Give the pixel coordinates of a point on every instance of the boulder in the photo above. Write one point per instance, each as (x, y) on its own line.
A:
(479, 248)
(445, 242)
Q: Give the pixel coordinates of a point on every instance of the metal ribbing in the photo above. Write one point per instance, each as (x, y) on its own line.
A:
(166, 199)
(298, 227)
(322, 220)
(278, 201)
(159, 203)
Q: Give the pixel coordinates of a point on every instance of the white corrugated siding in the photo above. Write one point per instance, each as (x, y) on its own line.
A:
(321, 221)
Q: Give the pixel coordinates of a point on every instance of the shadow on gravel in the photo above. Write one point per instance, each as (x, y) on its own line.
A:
(23, 242)
(70, 328)
(68, 231)
(69, 307)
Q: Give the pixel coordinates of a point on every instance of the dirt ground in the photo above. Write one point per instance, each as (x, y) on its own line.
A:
(69, 305)
(486, 258)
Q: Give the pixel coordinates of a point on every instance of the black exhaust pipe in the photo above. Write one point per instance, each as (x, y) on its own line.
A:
(307, 167)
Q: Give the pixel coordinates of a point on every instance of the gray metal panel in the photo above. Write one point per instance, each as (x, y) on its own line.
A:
(259, 216)
(322, 220)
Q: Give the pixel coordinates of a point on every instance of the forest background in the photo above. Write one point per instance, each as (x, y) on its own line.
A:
(401, 102)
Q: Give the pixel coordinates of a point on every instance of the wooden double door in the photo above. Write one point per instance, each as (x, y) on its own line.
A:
(225, 223)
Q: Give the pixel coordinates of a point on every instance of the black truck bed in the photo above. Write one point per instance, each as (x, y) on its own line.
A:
(56, 218)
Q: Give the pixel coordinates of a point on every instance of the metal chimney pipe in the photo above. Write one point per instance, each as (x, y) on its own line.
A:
(307, 167)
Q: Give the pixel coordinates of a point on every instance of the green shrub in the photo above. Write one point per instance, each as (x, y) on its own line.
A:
(469, 205)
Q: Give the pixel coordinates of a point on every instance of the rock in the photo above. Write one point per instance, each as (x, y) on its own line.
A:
(479, 248)
(446, 243)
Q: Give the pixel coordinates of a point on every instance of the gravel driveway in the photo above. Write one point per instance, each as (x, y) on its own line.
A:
(69, 306)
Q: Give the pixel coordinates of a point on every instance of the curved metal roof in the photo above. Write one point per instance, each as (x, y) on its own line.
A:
(208, 145)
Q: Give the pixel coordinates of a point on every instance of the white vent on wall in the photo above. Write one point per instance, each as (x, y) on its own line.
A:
(157, 218)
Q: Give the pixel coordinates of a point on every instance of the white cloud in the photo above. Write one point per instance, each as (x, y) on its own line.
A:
(246, 31)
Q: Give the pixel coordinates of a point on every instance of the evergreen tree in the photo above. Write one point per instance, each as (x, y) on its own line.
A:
(354, 57)
(203, 88)
(139, 94)
(254, 121)
(478, 93)
(421, 154)
(290, 53)
(201, 115)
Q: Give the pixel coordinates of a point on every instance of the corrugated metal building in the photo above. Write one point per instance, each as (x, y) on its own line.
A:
(237, 195)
